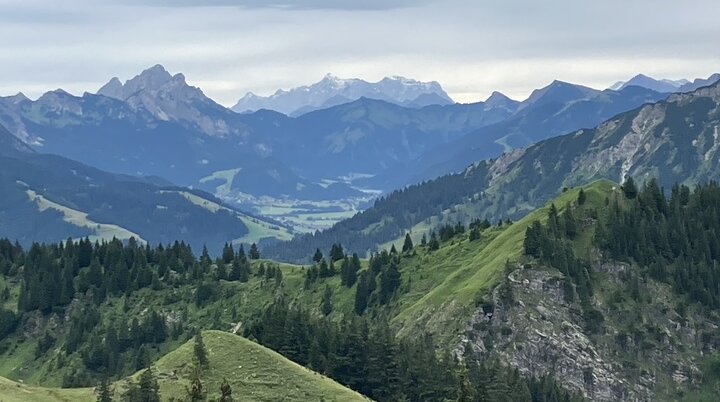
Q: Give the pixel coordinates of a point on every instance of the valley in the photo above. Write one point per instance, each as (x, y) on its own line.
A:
(193, 210)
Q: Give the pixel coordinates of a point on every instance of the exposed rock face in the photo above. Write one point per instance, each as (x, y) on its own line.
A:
(540, 333)
(169, 98)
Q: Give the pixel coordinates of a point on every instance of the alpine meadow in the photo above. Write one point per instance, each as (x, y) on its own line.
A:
(334, 201)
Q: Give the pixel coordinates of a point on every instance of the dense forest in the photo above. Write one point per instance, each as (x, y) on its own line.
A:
(673, 240)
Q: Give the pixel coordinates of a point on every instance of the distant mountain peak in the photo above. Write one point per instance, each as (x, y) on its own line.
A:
(332, 90)
(645, 81)
(331, 77)
(17, 98)
(170, 98)
(152, 78)
(700, 82)
(559, 91)
(499, 99)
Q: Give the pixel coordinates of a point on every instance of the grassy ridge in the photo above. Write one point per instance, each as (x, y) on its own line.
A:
(460, 273)
(254, 372)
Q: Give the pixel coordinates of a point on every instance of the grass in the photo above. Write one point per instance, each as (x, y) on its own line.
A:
(447, 284)
(226, 176)
(254, 372)
(11, 391)
(100, 231)
(257, 229)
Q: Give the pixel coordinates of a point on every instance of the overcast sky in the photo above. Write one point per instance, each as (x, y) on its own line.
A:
(471, 47)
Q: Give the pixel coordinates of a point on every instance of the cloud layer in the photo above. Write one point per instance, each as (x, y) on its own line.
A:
(471, 47)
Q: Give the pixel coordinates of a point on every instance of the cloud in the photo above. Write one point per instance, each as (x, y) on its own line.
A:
(470, 47)
(287, 4)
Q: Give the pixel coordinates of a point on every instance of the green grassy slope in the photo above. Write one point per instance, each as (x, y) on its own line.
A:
(257, 229)
(11, 391)
(458, 275)
(254, 372)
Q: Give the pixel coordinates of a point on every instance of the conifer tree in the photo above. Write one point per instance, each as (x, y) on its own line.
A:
(254, 253)
(326, 306)
(581, 197)
(408, 244)
(228, 253)
(149, 390)
(104, 391)
(434, 244)
(199, 352)
(336, 252)
(318, 256)
(196, 391)
(225, 392)
(389, 282)
(629, 188)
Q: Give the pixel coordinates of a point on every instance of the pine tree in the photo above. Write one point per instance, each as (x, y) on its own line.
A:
(474, 233)
(228, 254)
(67, 292)
(104, 391)
(408, 244)
(200, 353)
(389, 282)
(366, 284)
(324, 270)
(254, 253)
(141, 358)
(205, 260)
(581, 197)
(434, 244)
(196, 391)
(278, 276)
(149, 390)
(336, 252)
(326, 306)
(629, 188)
(318, 256)
(225, 392)
(569, 223)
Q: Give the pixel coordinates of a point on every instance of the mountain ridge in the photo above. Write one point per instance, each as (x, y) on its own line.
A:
(299, 100)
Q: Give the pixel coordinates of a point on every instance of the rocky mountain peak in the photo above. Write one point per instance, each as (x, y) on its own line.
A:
(150, 79)
(332, 90)
(498, 99)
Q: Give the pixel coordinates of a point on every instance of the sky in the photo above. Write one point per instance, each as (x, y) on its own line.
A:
(472, 47)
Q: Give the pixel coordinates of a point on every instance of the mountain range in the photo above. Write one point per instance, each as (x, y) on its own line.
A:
(559, 248)
(156, 125)
(666, 85)
(333, 91)
(674, 140)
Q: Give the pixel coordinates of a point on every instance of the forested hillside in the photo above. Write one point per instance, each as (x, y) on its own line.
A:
(587, 284)
(76, 313)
